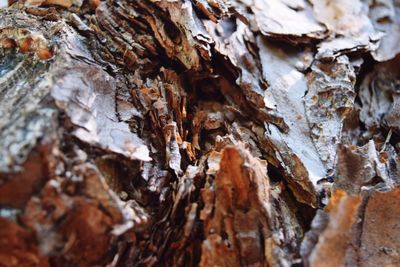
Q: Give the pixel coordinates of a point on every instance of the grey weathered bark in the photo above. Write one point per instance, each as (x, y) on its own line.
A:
(199, 133)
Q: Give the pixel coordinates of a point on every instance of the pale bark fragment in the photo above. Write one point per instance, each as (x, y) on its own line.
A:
(287, 88)
(385, 15)
(349, 26)
(288, 20)
(329, 99)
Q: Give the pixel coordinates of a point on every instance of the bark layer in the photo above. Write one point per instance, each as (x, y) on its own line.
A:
(199, 133)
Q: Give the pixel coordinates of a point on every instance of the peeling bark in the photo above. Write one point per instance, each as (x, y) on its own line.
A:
(199, 133)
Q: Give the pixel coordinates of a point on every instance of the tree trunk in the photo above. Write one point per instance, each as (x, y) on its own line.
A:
(199, 133)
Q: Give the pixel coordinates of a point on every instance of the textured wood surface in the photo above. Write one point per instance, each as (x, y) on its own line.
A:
(199, 133)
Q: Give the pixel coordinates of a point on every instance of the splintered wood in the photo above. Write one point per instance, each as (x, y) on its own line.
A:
(199, 133)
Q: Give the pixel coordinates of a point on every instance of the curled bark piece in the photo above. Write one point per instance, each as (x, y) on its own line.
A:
(287, 21)
(349, 24)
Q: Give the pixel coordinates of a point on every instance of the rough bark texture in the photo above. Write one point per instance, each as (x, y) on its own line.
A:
(200, 133)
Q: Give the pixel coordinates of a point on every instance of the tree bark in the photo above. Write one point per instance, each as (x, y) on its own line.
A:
(199, 133)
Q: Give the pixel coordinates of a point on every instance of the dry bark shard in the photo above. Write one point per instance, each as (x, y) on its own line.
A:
(202, 132)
